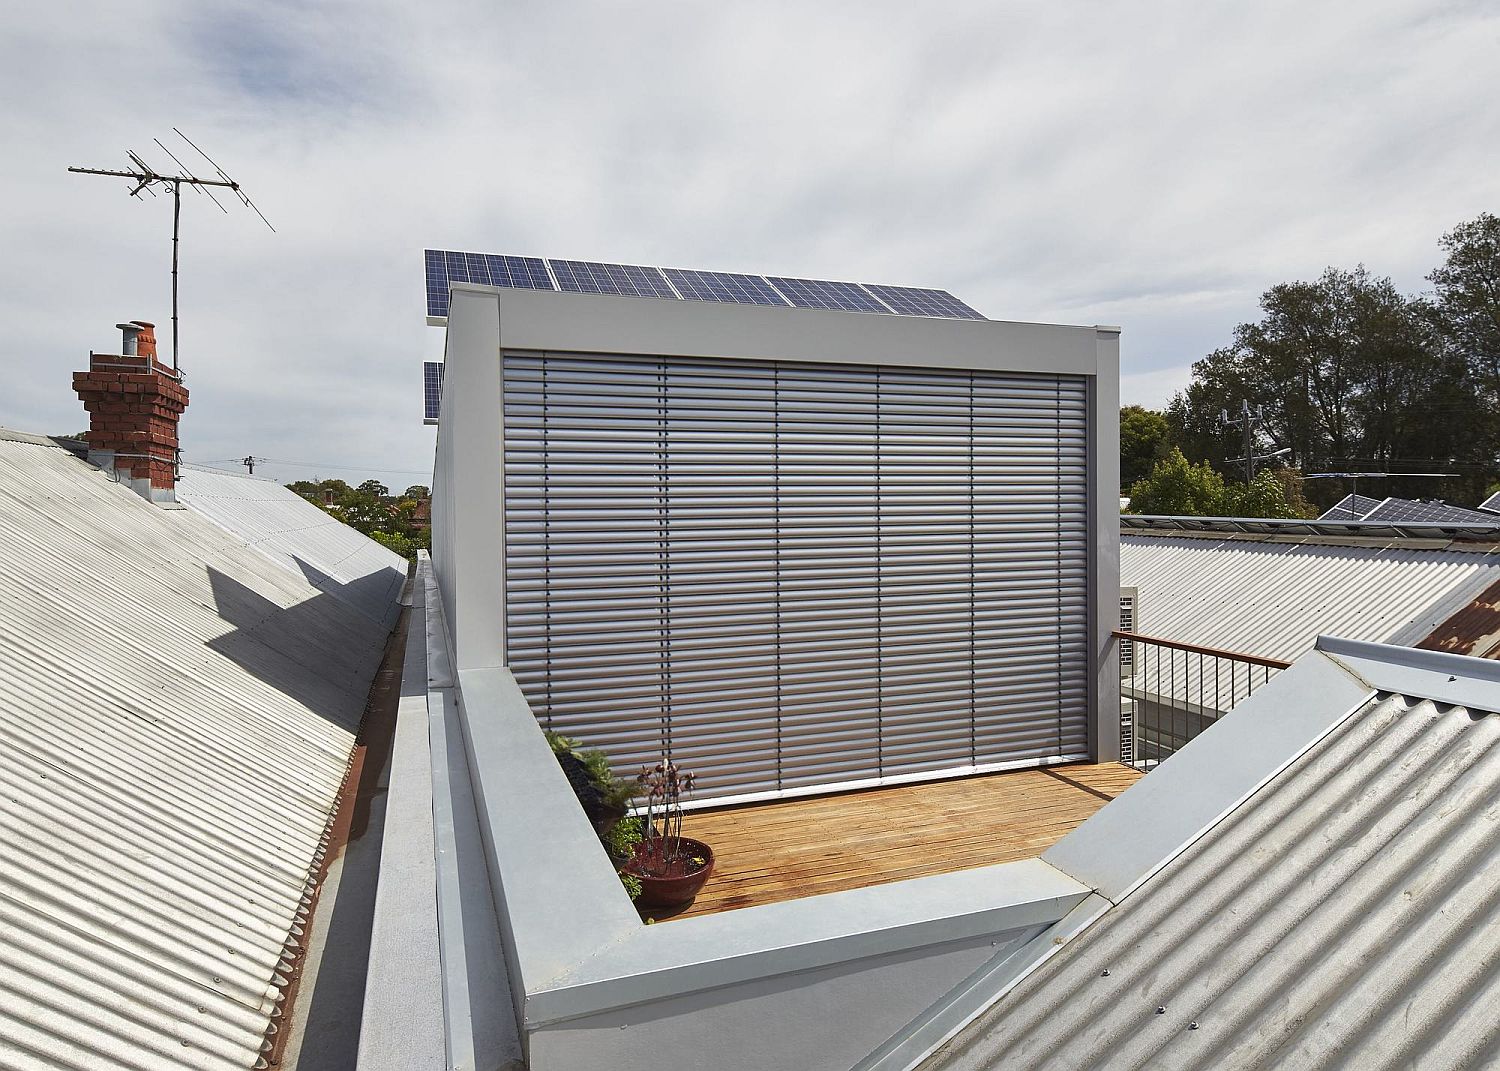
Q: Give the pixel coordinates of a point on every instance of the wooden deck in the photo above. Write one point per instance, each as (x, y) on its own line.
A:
(801, 847)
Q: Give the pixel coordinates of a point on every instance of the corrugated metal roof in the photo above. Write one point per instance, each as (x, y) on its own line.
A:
(176, 718)
(1273, 599)
(281, 523)
(1347, 915)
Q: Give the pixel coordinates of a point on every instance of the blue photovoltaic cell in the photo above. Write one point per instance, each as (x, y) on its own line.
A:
(444, 267)
(1414, 511)
(825, 294)
(627, 280)
(432, 390)
(1491, 504)
(1351, 508)
(723, 286)
(915, 301)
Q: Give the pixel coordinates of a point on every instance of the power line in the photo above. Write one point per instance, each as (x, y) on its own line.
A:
(341, 468)
(258, 460)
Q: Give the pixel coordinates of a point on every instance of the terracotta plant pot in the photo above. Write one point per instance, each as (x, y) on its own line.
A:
(673, 889)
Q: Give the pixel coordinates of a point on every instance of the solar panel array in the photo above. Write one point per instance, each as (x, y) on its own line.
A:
(432, 390)
(444, 268)
(1491, 504)
(1403, 510)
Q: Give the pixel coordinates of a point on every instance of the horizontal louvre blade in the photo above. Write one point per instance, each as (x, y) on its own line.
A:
(798, 574)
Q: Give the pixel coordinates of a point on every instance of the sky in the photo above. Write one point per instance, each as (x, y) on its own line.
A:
(1155, 166)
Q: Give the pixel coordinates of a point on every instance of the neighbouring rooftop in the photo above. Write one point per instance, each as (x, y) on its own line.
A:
(1267, 591)
(179, 708)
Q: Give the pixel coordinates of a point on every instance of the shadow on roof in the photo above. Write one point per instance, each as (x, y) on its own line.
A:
(303, 650)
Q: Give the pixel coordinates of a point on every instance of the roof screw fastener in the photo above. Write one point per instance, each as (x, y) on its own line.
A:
(1193, 1025)
(1161, 1011)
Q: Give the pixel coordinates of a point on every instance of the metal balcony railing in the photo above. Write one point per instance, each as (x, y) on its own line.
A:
(1171, 691)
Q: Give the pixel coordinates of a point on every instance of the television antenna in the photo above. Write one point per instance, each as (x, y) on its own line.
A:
(1355, 477)
(146, 177)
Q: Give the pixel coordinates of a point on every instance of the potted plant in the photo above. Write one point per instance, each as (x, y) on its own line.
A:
(671, 868)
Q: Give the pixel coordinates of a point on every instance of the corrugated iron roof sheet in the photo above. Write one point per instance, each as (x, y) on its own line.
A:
(1273, 599)
(176, 718)
(281, 523)
(1347, 915)
(1473, 630)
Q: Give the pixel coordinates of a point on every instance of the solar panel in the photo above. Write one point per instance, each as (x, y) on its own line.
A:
(1350, 508)
(825, 294)
(444, 267)
(1402, 510)
(723, 286)
(627, 280)
(1491, 504)
(432, 390)
(915, 301)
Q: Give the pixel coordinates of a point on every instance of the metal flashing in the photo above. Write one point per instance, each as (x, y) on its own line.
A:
(710, 951)
(1161, 815)
(1436, 675)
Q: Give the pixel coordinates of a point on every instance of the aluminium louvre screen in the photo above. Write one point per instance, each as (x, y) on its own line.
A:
(797, 574)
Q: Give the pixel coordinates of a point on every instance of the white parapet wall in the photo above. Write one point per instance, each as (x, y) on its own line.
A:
(818, 983)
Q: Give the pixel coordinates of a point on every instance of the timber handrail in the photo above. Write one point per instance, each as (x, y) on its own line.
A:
(1193, 648)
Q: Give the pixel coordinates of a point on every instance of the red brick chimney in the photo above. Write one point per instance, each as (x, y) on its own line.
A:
(134, 403)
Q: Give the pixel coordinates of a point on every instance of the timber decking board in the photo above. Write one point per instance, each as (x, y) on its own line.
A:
(785, 849)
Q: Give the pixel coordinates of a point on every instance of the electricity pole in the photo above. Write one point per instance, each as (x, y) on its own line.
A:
(1248, 421)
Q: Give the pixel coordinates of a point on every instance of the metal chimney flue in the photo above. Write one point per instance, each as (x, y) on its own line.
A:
(131, 343)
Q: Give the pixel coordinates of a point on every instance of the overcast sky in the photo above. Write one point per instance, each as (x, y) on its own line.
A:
(1154, 166)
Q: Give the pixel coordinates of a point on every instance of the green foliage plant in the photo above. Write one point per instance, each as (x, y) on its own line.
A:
(610, 792)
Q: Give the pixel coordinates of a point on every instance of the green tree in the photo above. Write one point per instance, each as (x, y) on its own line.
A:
(1350, 374)
(1144, 438)
(1178, 488)
(416, 490)
(1467, 298)
(369, 509)
(1265, 497)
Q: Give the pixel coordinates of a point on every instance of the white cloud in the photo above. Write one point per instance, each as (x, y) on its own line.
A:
(1077, 162)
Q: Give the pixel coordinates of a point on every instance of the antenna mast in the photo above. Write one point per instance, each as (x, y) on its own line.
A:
(144, 176)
